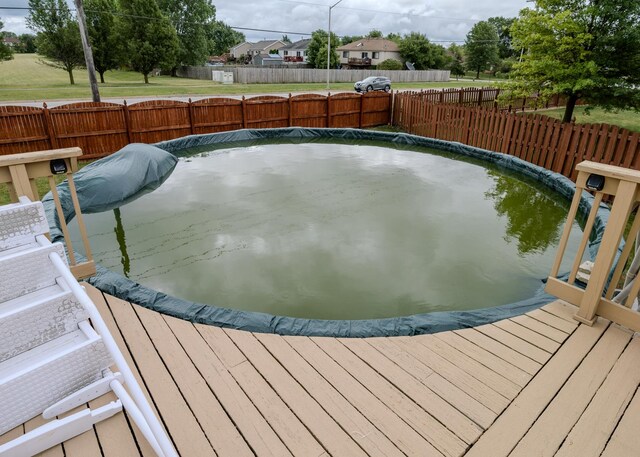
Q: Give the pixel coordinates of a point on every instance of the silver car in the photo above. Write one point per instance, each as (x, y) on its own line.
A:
(373, 83)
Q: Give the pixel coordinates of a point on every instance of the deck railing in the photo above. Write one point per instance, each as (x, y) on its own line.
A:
(20, 171)
(600, 297)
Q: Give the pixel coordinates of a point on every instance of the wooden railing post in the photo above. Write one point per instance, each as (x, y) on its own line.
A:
(191, 128)
(127, 121)
(361, 110)
(329, 110)
(244, 114)
(53, 141)
(290, 110)
(623, 186)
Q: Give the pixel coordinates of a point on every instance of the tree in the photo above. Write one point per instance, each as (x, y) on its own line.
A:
(481, 47)
(148, 43)
(390, 64)
(6, 53)
(222, 38)
(285, 39)
(350, 39)
(583, 49)
(456, 62)
(395, 37)
(417, 49)
(101, 24)
(58, 36)
(27, 43)
(503, 27)
(190, 19)
(317, 49)
(374, 34)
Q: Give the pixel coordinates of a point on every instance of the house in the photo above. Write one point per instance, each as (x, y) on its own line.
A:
(264, 47)
(267, 59)
(241, 49)
(11, 42)
(368, 52)
(295, 52)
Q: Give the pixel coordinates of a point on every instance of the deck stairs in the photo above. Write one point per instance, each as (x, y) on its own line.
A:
(56, 352)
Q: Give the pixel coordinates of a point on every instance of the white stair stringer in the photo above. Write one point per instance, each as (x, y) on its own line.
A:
(32, 320)
(27, 269)
(20, 223)
(34, 380)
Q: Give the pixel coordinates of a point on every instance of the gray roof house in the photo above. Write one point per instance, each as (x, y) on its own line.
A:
(295, 52)
(368, 52)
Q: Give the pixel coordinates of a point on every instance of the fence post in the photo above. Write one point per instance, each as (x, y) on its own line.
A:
(290, 110)
(391, 106)
(361, 109)
(244, 116)
(480, 96)
(461, 96)
(53, 141)
(329, 110)
(191, 116)
(127, 121)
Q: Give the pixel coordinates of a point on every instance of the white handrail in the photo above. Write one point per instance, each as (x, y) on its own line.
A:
(96, 319)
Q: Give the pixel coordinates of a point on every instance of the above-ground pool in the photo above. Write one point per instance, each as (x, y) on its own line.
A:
(336, 230)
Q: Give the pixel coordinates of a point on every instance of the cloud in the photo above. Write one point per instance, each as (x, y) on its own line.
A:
(445, 20)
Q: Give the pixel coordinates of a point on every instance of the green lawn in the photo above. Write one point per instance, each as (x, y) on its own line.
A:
(626, 119)
(26, 77)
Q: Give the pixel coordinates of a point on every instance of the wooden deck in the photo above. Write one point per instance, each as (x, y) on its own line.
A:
(538, 384)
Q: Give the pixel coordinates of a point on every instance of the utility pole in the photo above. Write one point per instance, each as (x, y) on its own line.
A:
(86, 47)
(329, 43)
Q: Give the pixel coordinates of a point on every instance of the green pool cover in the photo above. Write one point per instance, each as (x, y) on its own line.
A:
(139, 168)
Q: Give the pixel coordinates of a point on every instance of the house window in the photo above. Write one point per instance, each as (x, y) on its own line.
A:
(365, 55)
(298, 54)
(375, 55)
(286, 53)
(305, 53)
(345, 54)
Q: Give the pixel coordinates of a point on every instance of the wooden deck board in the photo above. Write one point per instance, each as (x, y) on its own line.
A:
(196, 392)
(372, 440)
(177, 416)
(593, 430)
(253, 426)
(538, 384)
(516, 420)
(626, 439)
(552, 426)
(328, 432)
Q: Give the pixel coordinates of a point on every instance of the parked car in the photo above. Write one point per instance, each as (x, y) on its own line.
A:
(373, 83)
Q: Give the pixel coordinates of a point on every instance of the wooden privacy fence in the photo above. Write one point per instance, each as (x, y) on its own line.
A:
(535, 138)
(483, 96)
(100, 129)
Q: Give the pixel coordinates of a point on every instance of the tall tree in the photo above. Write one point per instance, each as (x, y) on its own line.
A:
(395, 37)
(317, 49)
(417, 49)
(481, 47)
(374, 34)
(148, 43)
(350, 39)
(27, 43)
(6, 53)
(221, 38)
(503, 27)
(101, 23)
(584, 49)
(58, 36)
(190, 19)
(285, 39)
(456, 62)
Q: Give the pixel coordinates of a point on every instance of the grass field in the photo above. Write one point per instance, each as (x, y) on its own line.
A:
(626, 119)
(26, 77)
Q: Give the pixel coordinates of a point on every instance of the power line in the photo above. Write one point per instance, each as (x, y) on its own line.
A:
(116, 13)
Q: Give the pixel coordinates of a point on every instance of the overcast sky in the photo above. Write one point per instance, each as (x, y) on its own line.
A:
(439, 20)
